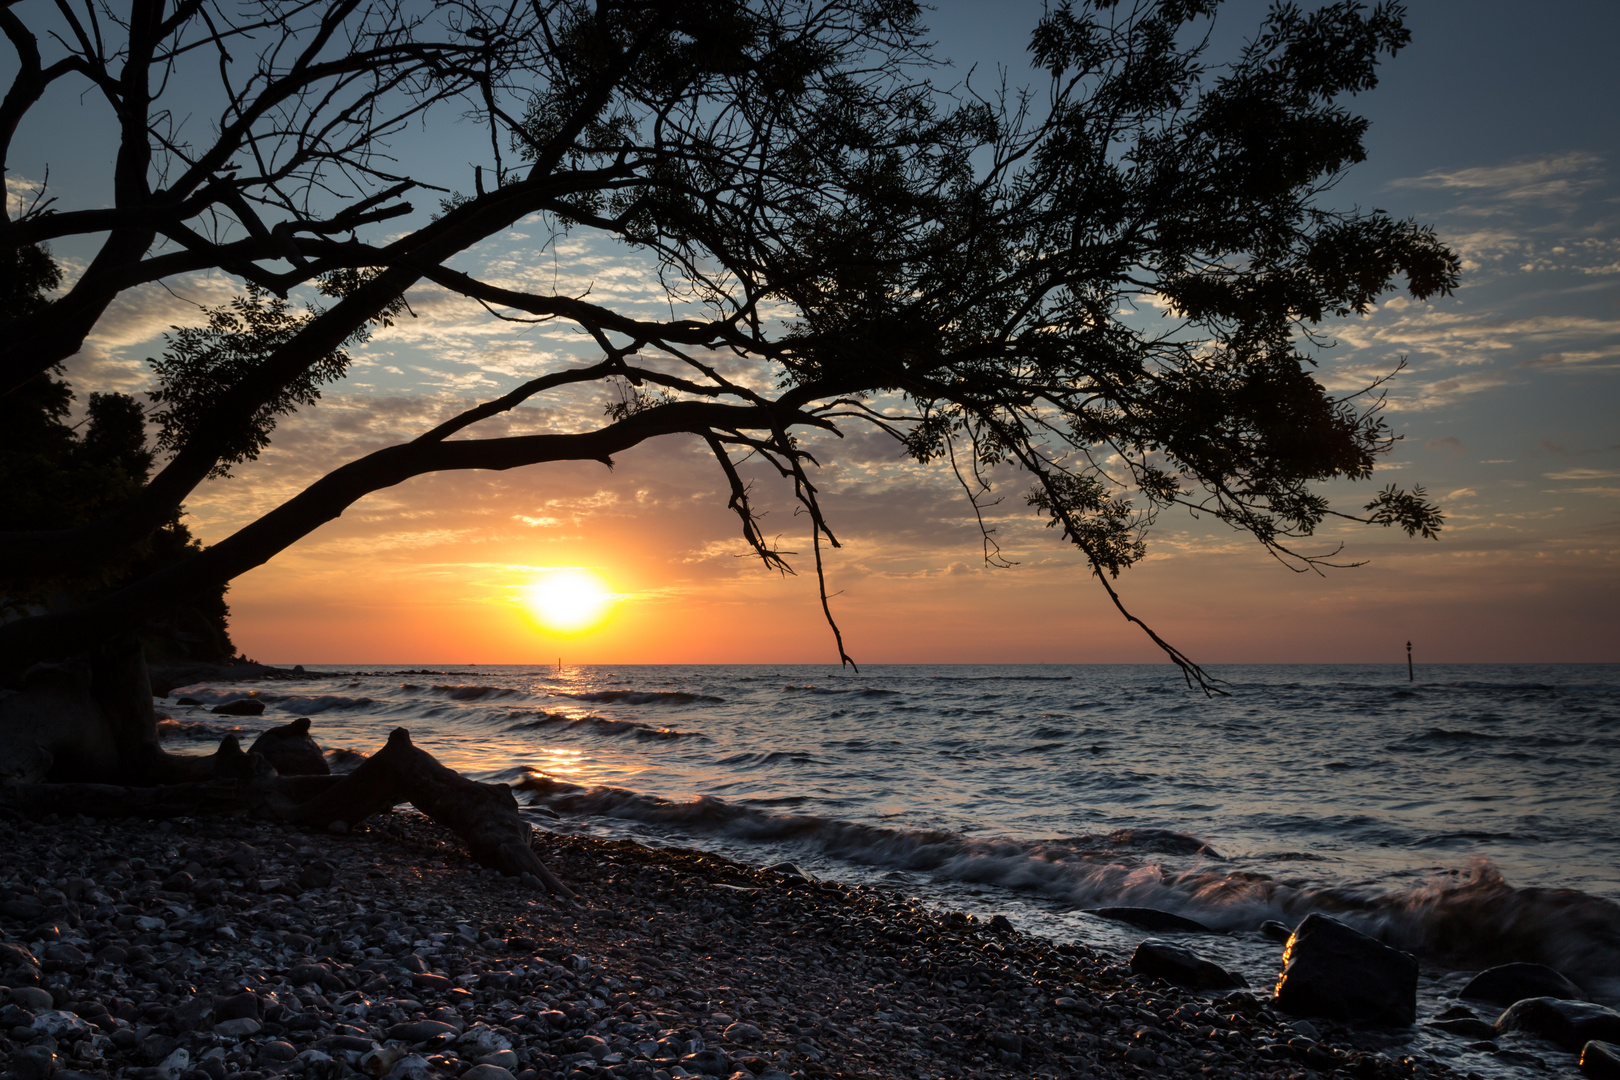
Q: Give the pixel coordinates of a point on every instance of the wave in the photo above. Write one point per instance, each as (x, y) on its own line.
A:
(643, 697)
(1442, 735)
(195, 729)
(1004, 678)
(462, 692)
(858, 691)
(602, 726)
(1471, 917)
(309, 706)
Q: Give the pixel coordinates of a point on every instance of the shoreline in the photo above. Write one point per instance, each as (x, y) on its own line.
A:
(197, 949)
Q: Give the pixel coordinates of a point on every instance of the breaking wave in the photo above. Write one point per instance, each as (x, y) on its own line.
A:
(1471, 917)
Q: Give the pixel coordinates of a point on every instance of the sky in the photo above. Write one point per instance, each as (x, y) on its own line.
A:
(1498, 126)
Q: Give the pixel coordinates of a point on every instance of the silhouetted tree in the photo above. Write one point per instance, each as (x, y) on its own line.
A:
(954, 268)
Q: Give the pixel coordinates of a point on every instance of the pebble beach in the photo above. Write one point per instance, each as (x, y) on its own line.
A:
(199, 949)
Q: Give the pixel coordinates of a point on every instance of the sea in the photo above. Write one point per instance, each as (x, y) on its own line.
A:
(1469, 813)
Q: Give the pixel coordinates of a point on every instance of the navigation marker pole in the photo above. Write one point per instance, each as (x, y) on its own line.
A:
(1408, 661)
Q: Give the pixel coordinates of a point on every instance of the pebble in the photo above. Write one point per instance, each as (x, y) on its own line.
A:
(200, 953)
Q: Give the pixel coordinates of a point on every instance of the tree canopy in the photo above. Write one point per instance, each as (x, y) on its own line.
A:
(961, 269)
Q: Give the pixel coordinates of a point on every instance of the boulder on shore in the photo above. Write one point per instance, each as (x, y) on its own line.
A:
(240, 707)
(1334, 971)
(1174, 964)
(1570, 1024)
(291, 750)
(1508, 983)
(1600, 1060)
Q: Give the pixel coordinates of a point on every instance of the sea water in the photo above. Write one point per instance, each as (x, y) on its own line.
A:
(1470, 815)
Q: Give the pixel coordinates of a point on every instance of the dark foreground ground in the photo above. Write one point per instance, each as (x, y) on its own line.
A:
(197, 949)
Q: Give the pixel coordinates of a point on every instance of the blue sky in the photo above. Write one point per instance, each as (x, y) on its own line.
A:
(1498, 126)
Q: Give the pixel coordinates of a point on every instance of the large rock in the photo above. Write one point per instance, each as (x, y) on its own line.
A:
(1174, 964)
(1601, 1060)
(1570, 1024)
(240, 707)
(291, 750)
(1334, 971)
(1514, 982)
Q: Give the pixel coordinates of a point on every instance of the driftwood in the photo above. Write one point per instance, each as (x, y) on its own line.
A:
(484, 816)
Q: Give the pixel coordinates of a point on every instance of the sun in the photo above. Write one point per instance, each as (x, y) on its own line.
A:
(568, 601)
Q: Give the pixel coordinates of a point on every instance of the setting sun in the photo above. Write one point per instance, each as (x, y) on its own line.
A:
(568, 601)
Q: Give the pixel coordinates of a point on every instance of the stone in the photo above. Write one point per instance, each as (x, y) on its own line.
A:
(424, 1031)
(237, 1007)
(1570, 1024)
(1600, 1060)
(710, 1061)
(1174, 964)
(1151, 919)
(240, 707)
(65, 956)
(381, 1061)
(31, 998)
(1007, 1041)
(413, 1067)
(172, 1066)
(1331, 970)
(745, 1033)
(277, 1050)
(787, 869)
(241, 1028)
(1277, 931)
(33, 1063)
(291, 751)
(1514, 982)
(487, 1072)
(60, 1025)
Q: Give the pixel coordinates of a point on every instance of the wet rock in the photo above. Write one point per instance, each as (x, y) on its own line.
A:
(291, 750)
(1465, 1026)
(318, 875)
(787, 869)
(1570, 1024)
(240, 707)
(1277, 931)
(1151, 919)
(1600, 1060)
(1333, 971)
(1174, 964)
(1007, 1042)
(1514, 982)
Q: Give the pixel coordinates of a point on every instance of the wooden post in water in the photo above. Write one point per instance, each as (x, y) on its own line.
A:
(1408, 661)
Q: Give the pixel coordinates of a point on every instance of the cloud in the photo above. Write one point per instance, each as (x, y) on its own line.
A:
(1583, 474)
(1557, 179)
(1461, 493)
(1449, 444)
